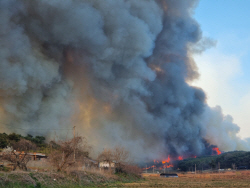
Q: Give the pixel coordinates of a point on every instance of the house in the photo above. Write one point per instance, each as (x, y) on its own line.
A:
(34, 156)
(88, 163)
(106, 164)
(37, 156)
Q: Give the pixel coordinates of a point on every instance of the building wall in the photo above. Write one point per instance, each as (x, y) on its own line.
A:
(105, 164)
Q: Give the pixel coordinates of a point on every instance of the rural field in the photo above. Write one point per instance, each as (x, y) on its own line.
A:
(227, 179)
(87, 179)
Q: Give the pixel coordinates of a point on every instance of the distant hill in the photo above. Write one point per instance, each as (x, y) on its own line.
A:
(234, 159)
(7, 139)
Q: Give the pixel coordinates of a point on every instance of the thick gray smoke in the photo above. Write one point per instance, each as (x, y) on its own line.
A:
(116, 69)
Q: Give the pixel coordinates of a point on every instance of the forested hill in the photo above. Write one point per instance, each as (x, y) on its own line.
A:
(234, 159)
(7, 139)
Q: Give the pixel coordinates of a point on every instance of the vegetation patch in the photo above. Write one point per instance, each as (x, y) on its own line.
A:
(232, 160)
(73, 179)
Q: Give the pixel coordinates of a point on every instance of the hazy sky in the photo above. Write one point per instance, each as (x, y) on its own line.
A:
(224, 69)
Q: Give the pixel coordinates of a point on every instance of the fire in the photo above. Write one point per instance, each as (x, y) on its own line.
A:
(180, 158)
(149, 167)
(168, 166)
(166, 161)
(217, 151)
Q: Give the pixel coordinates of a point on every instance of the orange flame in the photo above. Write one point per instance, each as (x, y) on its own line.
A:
(168, 166)
(166, 160)
(180, 158)
(149, 167)
(217, 151)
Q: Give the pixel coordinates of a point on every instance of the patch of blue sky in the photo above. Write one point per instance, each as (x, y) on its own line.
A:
(225, 68)
(228, 22)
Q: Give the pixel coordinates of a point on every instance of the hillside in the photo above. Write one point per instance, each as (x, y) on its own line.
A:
(236, 159)
(63, 180)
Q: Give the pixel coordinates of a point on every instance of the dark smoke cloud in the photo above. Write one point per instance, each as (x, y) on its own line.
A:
(117, 69)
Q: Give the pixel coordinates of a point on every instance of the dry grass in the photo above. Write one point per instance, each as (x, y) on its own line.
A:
(95, 178)
(227, 179)
(72, 179)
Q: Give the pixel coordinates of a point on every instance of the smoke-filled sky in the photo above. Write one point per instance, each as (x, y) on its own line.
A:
(224, 69)
(118, 70)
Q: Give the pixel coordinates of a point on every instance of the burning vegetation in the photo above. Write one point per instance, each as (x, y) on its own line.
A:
(171, 162)
(218, 152)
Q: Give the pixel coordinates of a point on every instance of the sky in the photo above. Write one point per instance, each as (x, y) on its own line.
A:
(224, 68)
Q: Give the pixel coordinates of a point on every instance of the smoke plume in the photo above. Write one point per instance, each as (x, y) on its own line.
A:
(118, 70)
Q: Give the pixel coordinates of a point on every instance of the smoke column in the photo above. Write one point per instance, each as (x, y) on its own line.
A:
(117, 69)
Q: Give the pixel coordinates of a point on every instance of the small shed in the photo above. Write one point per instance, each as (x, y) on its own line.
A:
(38, 156)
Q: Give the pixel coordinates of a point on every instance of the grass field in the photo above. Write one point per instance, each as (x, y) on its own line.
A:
(87, 179)
(72, 179)
(227, 179)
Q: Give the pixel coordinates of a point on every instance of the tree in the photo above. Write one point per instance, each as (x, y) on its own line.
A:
(212, 164)
(118, 155)
(107, 156)
(3, 140)
(69, 152)
(14, 137)
(28, 137)
(6, 139)
(39, 140)
(18, 154)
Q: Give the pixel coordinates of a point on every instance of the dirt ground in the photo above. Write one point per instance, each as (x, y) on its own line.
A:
(226, 179)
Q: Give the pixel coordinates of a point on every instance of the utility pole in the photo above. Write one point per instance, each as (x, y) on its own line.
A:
(146, 168)
(153, 169)
(164, 168)
(233, 166)
(195, 168)
(74, 145)
(219, 166)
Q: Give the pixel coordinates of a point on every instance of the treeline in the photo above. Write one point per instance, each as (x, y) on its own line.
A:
(16, 149)
(8, 139)
(235, 159)
(63, 154)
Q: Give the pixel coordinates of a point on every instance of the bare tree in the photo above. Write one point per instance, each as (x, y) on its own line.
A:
(107, 156)
(118, 155)
(18, 154)
(69, 152)
(233, 166)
